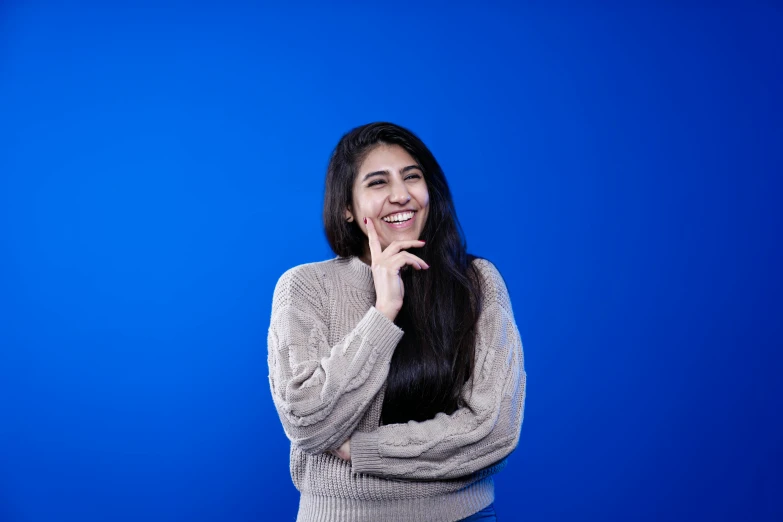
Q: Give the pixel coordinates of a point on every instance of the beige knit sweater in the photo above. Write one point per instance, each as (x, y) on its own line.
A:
(329, 354)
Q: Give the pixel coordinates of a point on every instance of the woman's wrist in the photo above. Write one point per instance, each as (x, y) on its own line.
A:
(388, 312)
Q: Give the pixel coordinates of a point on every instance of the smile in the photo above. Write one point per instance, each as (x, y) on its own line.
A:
(400, 220)
(400, 217)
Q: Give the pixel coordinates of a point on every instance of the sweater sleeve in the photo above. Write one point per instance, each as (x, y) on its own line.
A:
(321, 391)
(482, 432)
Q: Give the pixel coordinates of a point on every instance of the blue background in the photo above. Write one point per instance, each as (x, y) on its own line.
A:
(162, 166)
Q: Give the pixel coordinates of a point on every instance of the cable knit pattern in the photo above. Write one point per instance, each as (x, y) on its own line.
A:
(329, 355)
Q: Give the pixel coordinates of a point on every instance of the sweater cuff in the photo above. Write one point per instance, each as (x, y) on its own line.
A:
(365, 457)
(379, 330)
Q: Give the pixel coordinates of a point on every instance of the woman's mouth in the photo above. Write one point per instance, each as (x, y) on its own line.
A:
(400, 220)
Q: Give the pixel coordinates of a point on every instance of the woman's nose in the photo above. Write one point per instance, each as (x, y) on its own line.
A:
(400, 195)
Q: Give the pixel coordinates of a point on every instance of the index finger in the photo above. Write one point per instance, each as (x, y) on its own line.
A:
(375, 245)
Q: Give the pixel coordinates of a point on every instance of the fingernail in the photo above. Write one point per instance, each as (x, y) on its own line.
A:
(365, 221)
(422, 240)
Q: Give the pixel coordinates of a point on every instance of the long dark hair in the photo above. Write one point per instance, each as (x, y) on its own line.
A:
(434, 359)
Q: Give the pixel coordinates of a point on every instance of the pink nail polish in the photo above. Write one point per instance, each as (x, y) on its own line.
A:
(365, 221)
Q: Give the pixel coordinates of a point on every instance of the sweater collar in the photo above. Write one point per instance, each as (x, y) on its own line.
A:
(360, 274)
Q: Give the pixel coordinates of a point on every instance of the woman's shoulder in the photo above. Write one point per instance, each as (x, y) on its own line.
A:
(312, 270)
(490, 275)
(493, 286)
(305, 281)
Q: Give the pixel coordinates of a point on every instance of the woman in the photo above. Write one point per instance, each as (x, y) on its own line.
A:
(398, 376)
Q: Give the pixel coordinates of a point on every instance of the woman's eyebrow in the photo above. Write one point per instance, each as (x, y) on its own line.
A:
(376, 173)
(386, 172)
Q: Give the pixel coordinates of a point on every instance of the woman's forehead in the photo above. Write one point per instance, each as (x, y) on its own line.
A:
(386, 157)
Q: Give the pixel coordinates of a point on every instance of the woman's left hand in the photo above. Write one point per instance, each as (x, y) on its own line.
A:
(344, 451)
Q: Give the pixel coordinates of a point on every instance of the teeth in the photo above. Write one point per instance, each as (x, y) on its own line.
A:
(397, 218)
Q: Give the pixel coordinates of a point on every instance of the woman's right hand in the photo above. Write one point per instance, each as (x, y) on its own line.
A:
(386, 266)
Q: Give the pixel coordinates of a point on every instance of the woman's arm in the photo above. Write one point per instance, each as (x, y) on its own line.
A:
(322, 391)
(482, 432)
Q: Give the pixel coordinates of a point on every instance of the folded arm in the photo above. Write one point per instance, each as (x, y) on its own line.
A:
(481, 433)
(322, 391)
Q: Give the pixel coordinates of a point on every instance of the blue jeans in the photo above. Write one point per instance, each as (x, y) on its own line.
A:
(485, 515)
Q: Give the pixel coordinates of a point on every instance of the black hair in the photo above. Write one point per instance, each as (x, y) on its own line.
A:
(434, 358)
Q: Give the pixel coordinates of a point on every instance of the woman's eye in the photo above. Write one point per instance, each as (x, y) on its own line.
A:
(382, 182)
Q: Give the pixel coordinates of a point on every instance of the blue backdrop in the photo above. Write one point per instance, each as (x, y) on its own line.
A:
(161, 167)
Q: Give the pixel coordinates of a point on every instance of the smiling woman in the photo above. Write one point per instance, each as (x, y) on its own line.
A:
(402, 391)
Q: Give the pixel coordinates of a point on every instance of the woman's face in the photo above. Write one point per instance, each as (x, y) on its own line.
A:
(390, 190)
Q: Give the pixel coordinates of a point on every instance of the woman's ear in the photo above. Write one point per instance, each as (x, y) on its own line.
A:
(348, 214)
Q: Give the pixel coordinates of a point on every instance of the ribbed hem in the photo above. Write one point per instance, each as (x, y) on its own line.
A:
(379, 330)
(441, 508)
(365, 457)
